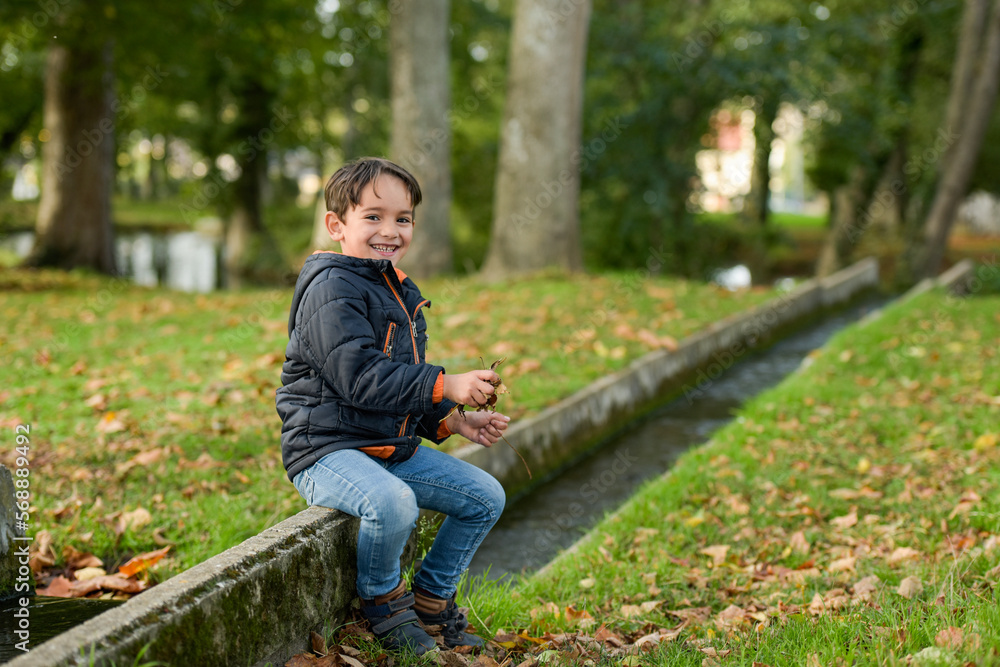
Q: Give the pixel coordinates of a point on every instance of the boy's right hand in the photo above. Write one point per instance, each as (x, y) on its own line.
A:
(472, 388)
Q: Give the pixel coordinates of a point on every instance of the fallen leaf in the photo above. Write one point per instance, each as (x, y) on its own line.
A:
(579, 617)
(111, 582)
(798, 543)
(842, 564)
(903, 554)
(717, 553)
(846, 521)
(986, 441)
(318, 643)
(143, 561)
(864, 589)
(109, 423)
(909, 587)
(89, 573)
(59, 587)
(730, 617)
(951, 637)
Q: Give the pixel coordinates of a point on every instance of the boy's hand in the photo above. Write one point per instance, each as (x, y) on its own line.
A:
(472, 388)
(483, 428)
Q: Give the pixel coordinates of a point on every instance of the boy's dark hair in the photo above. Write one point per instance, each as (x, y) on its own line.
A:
(343, 190)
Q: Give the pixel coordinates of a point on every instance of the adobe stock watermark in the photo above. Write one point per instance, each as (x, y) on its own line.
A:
(580, 160)
(546, 539)
(889, 197)
(434, 138)
(900, 13)
(29, 26)
(562, 13)
(119, 110)
(699, 42)
(750, 335)
(246, 151)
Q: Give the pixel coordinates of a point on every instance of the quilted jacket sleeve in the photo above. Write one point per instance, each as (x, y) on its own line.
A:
(338, 342)
(427, 427)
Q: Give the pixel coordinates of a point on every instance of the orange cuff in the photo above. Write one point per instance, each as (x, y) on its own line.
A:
(443, 431)
(438, 395)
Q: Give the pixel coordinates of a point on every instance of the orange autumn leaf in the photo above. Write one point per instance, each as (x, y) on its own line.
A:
(143, 561)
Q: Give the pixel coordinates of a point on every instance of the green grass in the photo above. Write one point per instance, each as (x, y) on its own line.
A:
(778, 219)
(885, 450)
(152, 411)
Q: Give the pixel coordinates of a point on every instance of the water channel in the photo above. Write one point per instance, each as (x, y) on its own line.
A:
(45, 618)
(550, 518)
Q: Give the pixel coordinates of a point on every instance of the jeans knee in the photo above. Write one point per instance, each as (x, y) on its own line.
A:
(394, 505)
(495, 497)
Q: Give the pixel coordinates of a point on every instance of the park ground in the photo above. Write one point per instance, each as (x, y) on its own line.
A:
(848, 516)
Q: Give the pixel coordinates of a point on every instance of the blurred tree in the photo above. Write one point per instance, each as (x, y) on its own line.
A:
(536, 210)
(864, 139)
(421, 133)
(971, 100)
(73, 228)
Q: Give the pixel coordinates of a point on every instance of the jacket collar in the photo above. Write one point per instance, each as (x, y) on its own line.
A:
(380, 265)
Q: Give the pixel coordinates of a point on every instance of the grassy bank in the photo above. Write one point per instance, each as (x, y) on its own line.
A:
(848, 516)
(152, 412)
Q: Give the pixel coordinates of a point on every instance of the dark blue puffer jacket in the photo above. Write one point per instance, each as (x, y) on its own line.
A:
(354, 375)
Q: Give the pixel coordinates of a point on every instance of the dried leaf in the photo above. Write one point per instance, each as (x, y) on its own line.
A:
(951, 637)
(717, 553)
(864, 589)
(844, 522)
(143, 561)
(842, 564)
(903, 554)
(910, 587)
(798, 543)
(318, 643)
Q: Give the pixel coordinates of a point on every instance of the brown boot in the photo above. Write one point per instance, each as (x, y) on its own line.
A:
(432, 610)
(394, 622)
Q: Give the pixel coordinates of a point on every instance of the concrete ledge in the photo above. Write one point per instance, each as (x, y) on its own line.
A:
(256, 602)
(253, 602)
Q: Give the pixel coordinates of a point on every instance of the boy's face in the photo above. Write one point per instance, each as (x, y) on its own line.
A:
(380, 226)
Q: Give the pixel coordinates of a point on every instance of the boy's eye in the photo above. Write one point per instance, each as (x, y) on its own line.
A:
(404, 221)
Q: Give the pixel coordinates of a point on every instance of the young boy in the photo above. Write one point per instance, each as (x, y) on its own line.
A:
(356, 398)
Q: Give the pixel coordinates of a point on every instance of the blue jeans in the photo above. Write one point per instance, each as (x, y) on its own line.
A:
(386, 497)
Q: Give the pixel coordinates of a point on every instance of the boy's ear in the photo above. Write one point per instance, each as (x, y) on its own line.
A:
(334, 226)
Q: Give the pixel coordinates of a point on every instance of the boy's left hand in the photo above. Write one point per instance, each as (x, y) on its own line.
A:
(481, 427)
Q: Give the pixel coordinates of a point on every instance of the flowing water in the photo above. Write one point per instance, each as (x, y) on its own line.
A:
(550, 518)
(45, 618)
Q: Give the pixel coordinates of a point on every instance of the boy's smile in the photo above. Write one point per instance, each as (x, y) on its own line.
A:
(380, 226)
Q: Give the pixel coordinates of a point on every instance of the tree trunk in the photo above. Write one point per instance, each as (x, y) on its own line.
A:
(421, 134)
(73, 228)
(963, 140)
(888, 205)
(755, 207)
(536, 210)
(250, 249)
(845, 228)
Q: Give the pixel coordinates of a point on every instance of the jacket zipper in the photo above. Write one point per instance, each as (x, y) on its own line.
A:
(387, 348)
(413, 339)
(413, 327)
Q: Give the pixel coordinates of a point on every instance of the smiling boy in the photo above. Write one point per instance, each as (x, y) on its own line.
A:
(357, 397)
